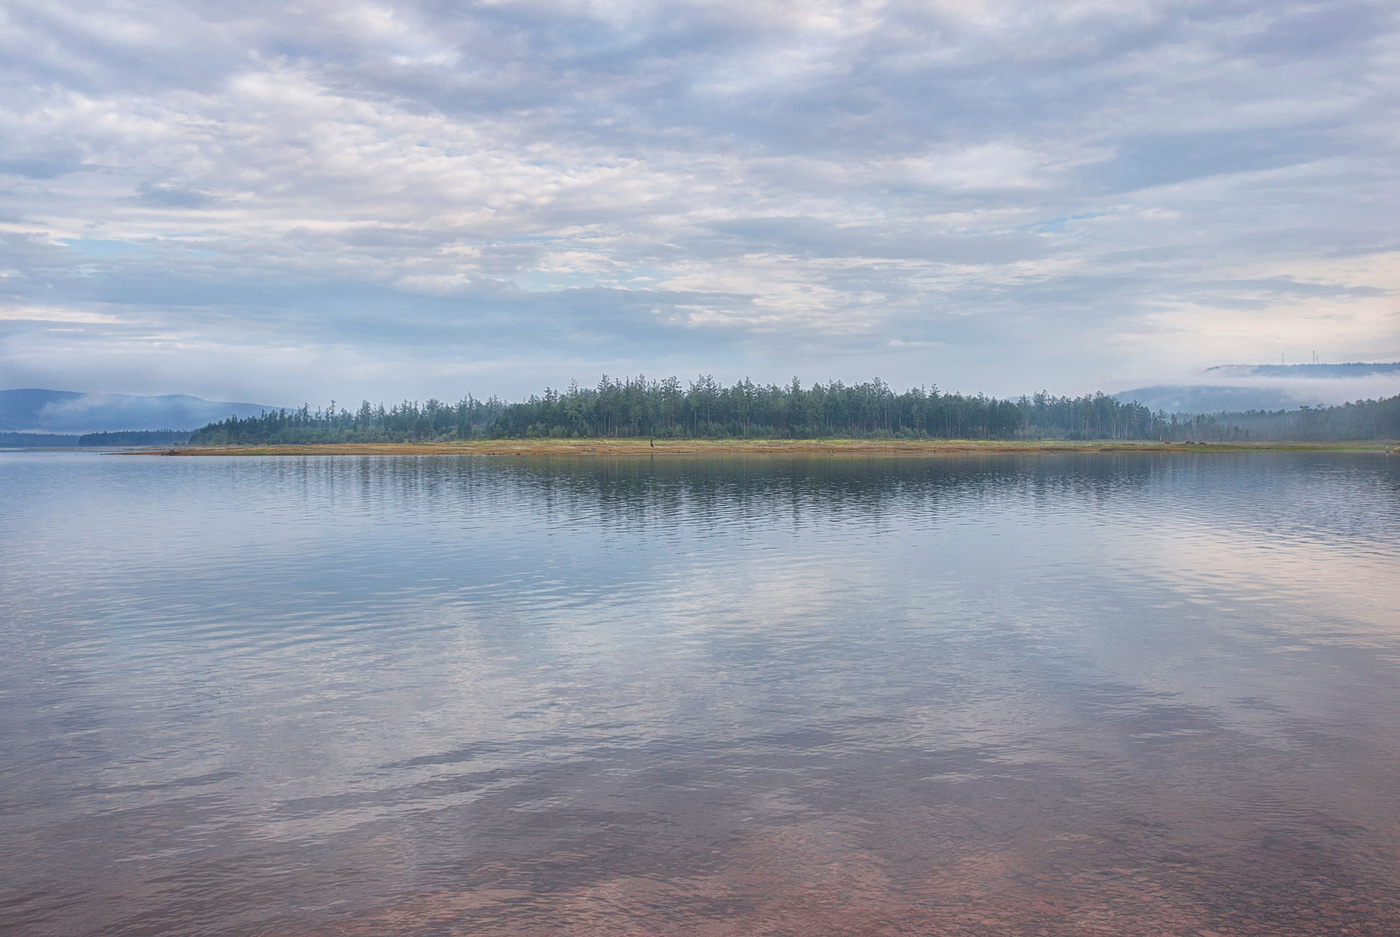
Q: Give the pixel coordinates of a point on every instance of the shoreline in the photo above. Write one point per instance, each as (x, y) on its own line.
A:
(784, 447)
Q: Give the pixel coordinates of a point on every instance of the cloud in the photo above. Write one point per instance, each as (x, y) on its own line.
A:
(995, 195)
(40, 314)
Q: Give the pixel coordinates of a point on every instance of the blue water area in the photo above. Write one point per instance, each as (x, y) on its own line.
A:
(1041, 694)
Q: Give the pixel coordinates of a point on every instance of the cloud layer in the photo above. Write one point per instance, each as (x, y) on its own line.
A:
(316, 199)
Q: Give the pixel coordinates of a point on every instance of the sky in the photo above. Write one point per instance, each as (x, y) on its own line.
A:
(296, 201)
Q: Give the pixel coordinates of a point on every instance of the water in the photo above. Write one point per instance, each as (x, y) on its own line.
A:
(1059, 695)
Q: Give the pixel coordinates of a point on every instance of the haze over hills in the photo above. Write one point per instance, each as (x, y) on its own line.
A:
(1187, 398)
(36, 410)
(1241, 387)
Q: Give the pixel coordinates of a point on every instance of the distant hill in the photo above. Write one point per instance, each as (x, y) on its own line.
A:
(1349, 369)
(34, 410)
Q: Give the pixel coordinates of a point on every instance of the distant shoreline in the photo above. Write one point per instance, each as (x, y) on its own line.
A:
(639, 447)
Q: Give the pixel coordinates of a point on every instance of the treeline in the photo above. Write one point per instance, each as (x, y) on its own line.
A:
(136, 437)
(707, 409)
(36, 441)
(409, 421)
(1362, 419)
(704, 408)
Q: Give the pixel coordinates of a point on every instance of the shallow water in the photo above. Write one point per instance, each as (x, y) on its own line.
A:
(1054, 694)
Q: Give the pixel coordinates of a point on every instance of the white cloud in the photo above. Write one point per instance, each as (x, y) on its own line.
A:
(39, 314)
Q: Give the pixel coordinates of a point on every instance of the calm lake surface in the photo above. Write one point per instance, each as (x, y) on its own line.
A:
(1043, 695)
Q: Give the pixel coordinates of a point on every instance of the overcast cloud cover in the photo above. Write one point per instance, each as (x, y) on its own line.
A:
(286, 201)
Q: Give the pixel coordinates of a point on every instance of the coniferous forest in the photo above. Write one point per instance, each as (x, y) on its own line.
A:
(706, 409)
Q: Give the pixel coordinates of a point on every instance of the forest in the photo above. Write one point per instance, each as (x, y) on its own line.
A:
(706, 409)
(136, 437)
(9, 440)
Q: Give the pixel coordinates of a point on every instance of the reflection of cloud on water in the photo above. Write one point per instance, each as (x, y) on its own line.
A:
(1315, 591)
(1182, 634)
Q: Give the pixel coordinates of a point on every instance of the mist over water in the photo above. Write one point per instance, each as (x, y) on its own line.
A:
(1059, 694)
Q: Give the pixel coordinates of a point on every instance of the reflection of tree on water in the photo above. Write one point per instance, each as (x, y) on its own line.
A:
(618, 492)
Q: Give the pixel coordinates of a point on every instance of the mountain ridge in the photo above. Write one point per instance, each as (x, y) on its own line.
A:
(66, 412)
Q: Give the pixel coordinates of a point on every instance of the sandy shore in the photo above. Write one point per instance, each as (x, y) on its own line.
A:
(787, 447)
